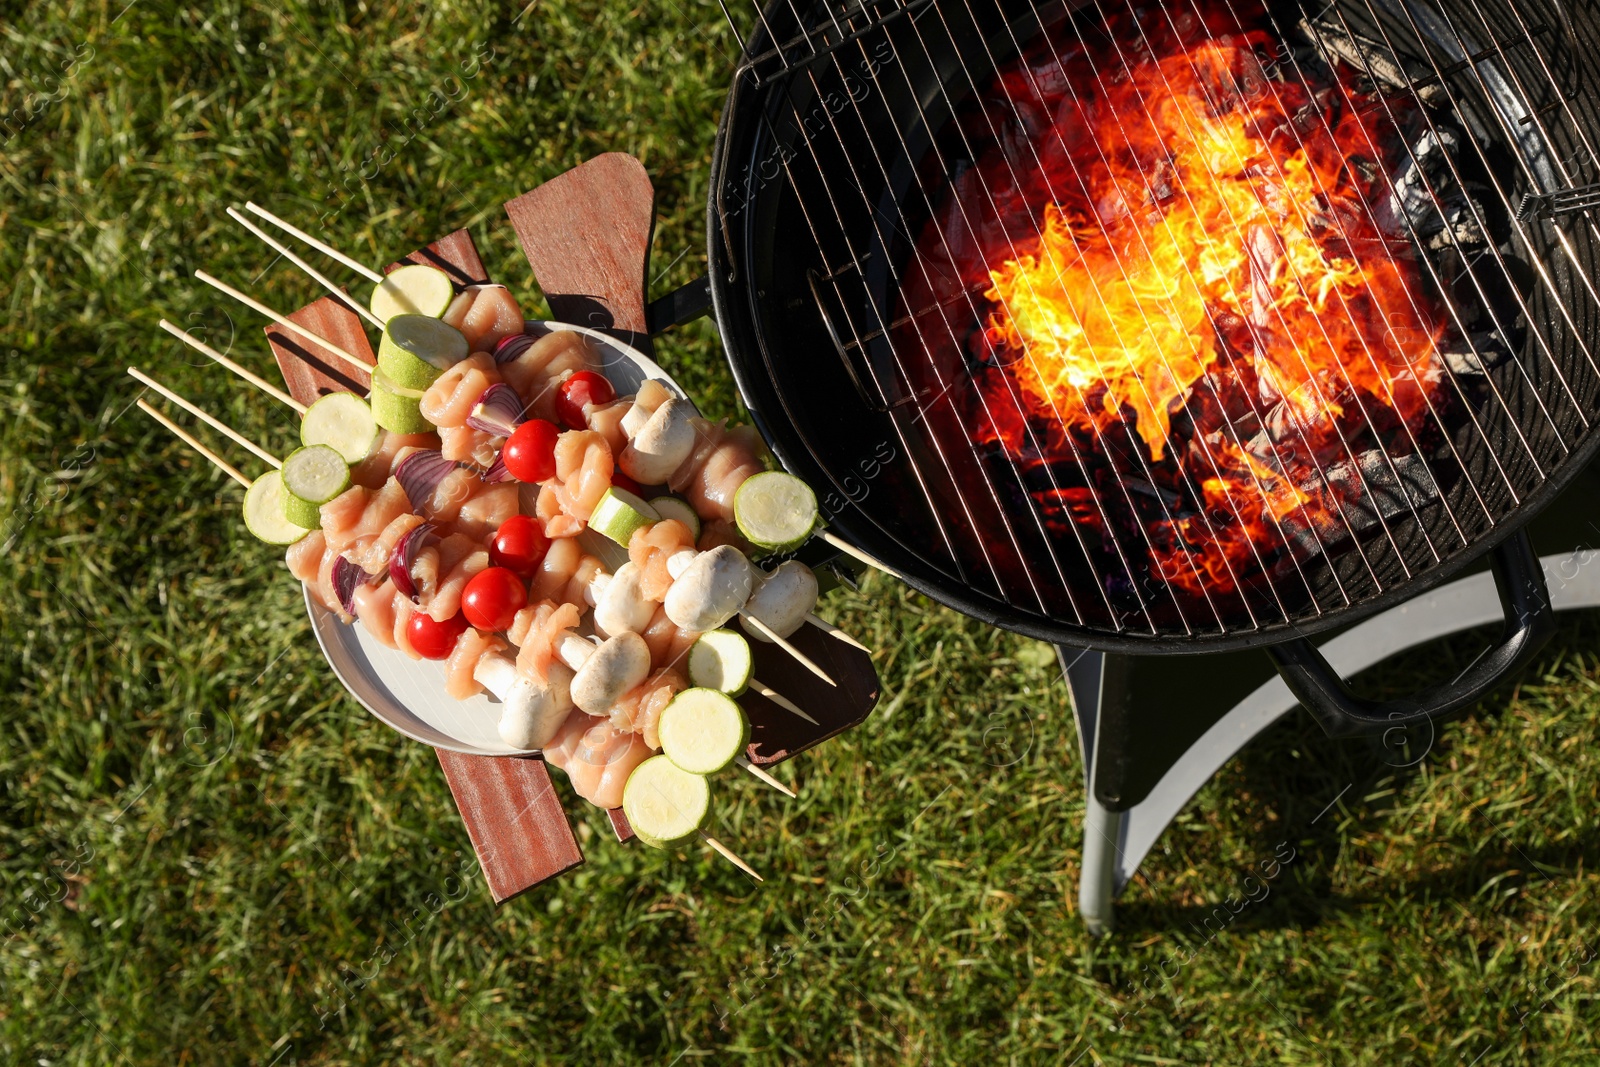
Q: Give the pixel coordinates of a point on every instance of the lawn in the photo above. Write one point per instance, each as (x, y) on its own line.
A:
(211, 854)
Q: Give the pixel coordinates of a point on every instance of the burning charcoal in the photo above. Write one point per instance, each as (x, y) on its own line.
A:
(1424, 196)
(1333, 41)
(1377, 494)
(1144, 488)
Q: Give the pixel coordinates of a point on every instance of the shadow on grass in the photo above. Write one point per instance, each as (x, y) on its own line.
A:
(1292, 774)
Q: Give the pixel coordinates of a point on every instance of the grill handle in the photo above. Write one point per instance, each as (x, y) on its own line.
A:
(1529, 623)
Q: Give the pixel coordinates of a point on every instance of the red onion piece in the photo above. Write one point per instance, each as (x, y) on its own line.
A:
(498, 411)
(420, 473)
(511, 347)
(497, 471)
(405, 555)
(347, 578)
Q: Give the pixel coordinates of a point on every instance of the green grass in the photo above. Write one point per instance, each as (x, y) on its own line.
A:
(211, 855)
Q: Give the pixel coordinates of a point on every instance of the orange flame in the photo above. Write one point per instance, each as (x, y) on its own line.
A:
(1206, 230)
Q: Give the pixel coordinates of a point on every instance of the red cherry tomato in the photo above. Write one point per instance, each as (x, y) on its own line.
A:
(492, 599)
(434, 640)
(622, 481)
(530, 451)
(585, 387)
(519, 546)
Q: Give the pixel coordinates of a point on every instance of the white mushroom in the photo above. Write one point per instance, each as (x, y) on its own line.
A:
(782, 599)
(711, 590)
(651, 395)
(531, 714)
(614, 668)
(661, 445)
(620, 606)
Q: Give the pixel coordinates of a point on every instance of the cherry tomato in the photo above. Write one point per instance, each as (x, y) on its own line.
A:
(492, 599)
(622, 481)
(519, 546)
(530, 451)
(585, 387)
(434, 640)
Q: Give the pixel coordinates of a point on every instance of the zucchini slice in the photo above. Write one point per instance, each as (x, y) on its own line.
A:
(665, 804)
(703, 731)
(416, 349)
(263, 511)
(312, 476)
(775, 511)
(619, 513)
(395, 408)
(670, 507)
(721, 660)
(344, 423)
(415, 289)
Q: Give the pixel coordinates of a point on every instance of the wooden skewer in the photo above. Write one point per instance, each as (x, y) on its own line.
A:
(255, 380)
(765, 777)
(828, 627)
(366, 272)
(292, 327)
(227, 468)
(851, 550)
(198, 412)
(768, 632)
(782, 701)
(728, 855)
(283, 250)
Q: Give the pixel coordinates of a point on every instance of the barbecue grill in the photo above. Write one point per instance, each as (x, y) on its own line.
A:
(1175, 327)
(880, 166)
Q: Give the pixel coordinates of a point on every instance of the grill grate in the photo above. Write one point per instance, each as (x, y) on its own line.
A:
(874, 116)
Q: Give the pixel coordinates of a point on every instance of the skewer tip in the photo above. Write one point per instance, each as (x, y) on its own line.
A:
(783, 642)
(729, 855)
(763, 776)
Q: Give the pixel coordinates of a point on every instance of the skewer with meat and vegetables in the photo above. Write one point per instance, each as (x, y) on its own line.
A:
(444, 515)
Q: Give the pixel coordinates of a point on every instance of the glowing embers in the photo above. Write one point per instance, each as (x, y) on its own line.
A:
(1211, 342)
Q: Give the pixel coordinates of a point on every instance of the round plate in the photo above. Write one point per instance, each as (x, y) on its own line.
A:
(409, 694)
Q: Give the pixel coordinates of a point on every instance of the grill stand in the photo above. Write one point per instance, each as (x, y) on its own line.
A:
(1154, 730)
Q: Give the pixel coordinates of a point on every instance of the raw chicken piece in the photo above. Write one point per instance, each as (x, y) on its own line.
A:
(718, 466)
(560, 563)
(597, 757)
(341, 516)
(488, 508)
(466, 445)
(583, 472)
(577, 590)
(376, 469)
(305, 556)
(471, 647)
(551, 515)
(719, 532)
(606, 420)
(667, 643)
(448, 401)
(650, 547)
(543, 365)
(640, 709)
(541, 632)
(383, 507)
(453, 491)
(459, 559)
(403, 610)
(375, 559)
(485, 315)
(324, 586)
(375, 607)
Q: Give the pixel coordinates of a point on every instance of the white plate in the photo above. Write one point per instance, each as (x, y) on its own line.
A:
(409, 694)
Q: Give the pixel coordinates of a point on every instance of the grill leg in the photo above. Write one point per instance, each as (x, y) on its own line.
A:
(1096, 883)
